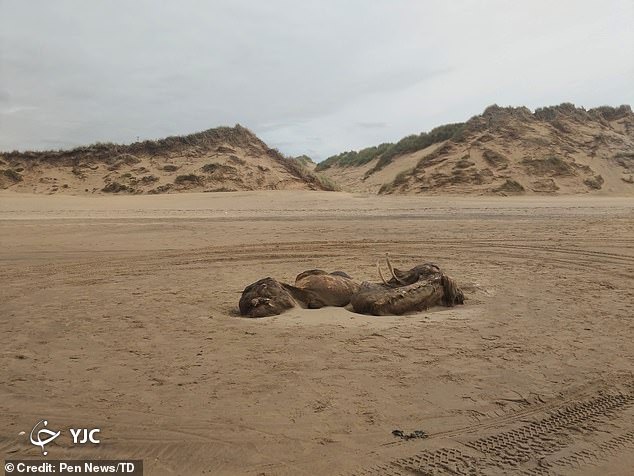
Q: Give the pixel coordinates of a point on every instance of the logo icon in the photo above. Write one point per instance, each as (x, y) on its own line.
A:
(45, 431)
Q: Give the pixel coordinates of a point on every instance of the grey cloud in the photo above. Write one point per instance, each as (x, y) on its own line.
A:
(16, 109)
(349, 74)
(372, 125)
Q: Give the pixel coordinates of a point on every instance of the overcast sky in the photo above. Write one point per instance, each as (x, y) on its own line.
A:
(307, 77)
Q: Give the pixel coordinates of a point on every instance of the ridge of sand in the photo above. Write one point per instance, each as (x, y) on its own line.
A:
(507, 151)
(216, 160)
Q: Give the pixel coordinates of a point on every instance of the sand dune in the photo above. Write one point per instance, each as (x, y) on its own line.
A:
(216, 160)
(561, 150)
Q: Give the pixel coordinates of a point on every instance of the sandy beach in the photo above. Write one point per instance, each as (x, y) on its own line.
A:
(121, 313)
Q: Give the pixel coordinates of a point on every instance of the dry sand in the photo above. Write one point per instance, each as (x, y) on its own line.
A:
(119, 313)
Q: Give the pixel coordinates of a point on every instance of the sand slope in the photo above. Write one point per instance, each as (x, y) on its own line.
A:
(506, 151)
(216, 160)
(119, 312)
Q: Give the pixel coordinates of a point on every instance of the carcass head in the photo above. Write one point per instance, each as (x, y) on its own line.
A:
(452, 294)
(266, 297)
(405, 278)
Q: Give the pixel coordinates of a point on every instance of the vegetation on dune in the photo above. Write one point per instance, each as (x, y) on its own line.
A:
(495, 159)
(161, 189)
(148, 179)
(188, 179)
(218, 169)
(624, 155)
(301, 171)
(595, 182)
(608, 113)
(305, 160)
(552, 165)
(510, 186)
(386, 152)
(464, 163)
(415, 143)
(12, 175)
(298, 169)
(116, 187)
(400, 179)
(625, 160)
(208, 139)
(496, 117)
(353, 158)
(433, 158)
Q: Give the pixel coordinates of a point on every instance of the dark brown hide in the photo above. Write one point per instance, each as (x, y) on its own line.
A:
(424, 286)
(417, 273)
(266, 297)
(327, 289)
(420, 288)
(381, 300)
(313, 289)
